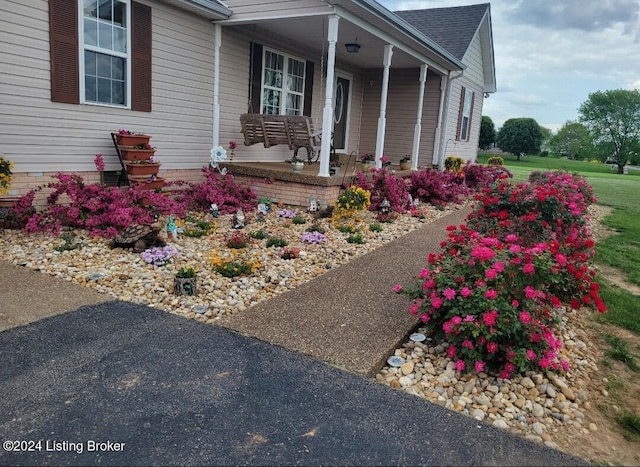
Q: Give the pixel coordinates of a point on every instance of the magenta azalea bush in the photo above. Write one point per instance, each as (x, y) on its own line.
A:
(494, 292)
(384, 185)
(438, 188)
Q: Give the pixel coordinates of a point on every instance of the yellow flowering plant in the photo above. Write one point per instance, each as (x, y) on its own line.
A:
(6, 168)
(351, 201)
(233, 263)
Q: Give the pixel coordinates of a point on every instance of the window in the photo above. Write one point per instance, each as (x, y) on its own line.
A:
(283, 84)
(104, 25)
(101, 52)
(464, 117)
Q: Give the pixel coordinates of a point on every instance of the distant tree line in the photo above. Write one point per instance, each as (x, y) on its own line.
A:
(608, 130)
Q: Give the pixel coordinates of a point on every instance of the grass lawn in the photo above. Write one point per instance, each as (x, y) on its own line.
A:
(622, 251)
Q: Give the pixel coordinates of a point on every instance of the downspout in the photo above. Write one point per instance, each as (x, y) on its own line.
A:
(443, 135)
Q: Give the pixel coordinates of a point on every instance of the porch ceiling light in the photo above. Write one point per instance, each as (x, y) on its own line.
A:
(353, 47)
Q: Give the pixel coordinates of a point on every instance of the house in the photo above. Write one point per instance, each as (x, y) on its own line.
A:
(183, 71)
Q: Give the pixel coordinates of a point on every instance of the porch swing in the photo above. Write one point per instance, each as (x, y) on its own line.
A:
(296, 131)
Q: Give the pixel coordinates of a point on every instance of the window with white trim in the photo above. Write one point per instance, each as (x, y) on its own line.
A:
(283, 81)
(105, 57)
(466, 115)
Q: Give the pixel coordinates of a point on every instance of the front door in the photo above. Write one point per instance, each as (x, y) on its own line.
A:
(341, 112)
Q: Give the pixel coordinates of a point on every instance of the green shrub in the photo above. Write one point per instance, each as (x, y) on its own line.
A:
(276, 241)
(495, 160)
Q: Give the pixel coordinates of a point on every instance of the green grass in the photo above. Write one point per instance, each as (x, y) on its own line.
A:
(620, 351)
(622, 251)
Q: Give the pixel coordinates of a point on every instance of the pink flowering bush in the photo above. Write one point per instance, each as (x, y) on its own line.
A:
(477, 176)
(437, 188)
(383, 185)
(219, 189)
(489, 299)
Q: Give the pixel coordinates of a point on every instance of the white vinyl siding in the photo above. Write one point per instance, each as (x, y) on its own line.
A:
(40, 135)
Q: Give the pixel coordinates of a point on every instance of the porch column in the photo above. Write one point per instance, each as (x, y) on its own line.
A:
(215, 134)
(327, 114)
(437, 143)
(382, 120)
(418, 128)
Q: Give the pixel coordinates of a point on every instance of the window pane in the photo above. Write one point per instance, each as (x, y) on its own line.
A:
(104, 66)
(117, 68)
(271, 102)
(117, 92)
(293, 104)
(120, 14)
(104, 90)
(90, 88)
(91, 8)
(120, 39)
(104, 36)
(90, 32)
(463, 130)
(90, 64)
(104, 10)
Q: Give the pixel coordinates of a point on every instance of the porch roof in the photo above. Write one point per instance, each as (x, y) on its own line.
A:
(210, 9)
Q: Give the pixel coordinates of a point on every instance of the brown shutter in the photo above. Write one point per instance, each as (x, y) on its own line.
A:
(473, 96)
(140, 57)
(63, 49)
(460, 110)
(308, 88)
(255, 80)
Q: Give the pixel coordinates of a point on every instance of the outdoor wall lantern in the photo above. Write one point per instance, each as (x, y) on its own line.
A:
(352, 47)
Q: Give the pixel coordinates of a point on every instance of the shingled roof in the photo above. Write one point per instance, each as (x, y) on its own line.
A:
(452, 28)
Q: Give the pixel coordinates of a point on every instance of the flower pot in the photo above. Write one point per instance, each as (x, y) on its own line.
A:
(146, 183)
(405, 165)
(297, 166)
(131, 154)
(334, 170)
(184, 286)
(142, 169)
(131, 140)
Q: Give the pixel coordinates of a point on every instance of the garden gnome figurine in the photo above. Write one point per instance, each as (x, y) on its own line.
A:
(172, 229)
(214, 210)
(238, 220)
(385, 206)
(262, 212)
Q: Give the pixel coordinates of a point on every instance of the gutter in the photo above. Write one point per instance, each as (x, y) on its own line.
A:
(212, 7)
(409, 30)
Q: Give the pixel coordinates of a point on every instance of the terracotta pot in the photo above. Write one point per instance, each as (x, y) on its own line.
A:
(130, 154)
(141, 180)
(131, 140)
(142, 169)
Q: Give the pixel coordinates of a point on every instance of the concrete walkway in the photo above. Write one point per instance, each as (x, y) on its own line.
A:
(113, 383)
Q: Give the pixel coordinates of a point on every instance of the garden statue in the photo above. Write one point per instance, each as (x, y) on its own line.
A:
(214, 210)
(238, 220)
(313, 204)
(172, 229)
(262, 212)
(385, 206)
(139, 237)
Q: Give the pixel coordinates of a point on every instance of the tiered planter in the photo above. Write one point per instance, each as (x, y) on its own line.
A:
(147, 182)
(131, 140)
(141, 170)
(133, 154)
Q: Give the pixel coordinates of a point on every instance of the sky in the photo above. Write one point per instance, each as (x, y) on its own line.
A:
(551, 54)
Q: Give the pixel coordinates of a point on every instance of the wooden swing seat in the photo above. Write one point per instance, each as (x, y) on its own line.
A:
(296, 131)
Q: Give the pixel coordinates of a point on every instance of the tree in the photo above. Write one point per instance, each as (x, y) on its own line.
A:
(613, 118)
(487, 133)
(520, 136)
(547, 134)
(574, 141)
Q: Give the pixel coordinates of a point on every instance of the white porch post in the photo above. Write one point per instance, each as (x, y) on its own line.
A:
(437, 143)
(382, 120)
(215, 138)
(327, 114)
(418, 128)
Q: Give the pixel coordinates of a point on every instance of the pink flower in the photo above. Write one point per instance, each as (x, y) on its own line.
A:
(99, 162)
(451, 351)
(565, 365)
(413, 309)
(460, 365)
(531, 355)
(510, 367)
(491, 274)
(561, 259)
(511, 238)
(491, 294)
(490, 318)
(525, 317)
(465, 292)
(449, 293)
(233, 145)
(397, 288)
(504, 374)
(530, 292)
(544, 363)
(424, 273)
(480, 366)
(482, 253)
(469, 318)
(436, 302)
(467, 344)
(515, 249)
(456, 320)
(424, 317)
(528, 268)
(492, 347)
(515, 303)
(498, 266)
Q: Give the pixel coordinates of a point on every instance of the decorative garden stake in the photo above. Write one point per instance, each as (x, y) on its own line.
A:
(213, 210)
(172, 229)
(238, 220)
(385, 206)
(313, 204)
